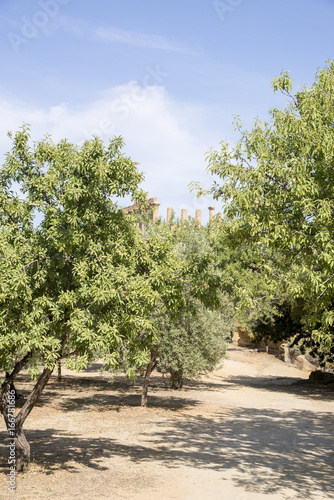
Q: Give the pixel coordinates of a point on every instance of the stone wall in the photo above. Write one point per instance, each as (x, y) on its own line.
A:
(241, 338)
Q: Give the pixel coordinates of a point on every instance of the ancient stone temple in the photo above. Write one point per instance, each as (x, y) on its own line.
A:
(153, 206)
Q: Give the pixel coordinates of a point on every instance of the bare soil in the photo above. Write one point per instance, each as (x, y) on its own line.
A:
(254, 429)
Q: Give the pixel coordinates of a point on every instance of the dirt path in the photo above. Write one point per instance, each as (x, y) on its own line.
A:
(253, 430)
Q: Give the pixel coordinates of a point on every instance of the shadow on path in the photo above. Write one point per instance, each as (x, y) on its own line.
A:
(300, 388)
(262, 451)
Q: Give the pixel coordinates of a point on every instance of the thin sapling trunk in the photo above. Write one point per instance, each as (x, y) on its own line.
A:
(149, 370)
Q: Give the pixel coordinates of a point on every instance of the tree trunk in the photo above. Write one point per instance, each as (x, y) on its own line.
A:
(22, 447)
(8, 385)
(149, 370)
(144, 392)
(22, 451)
(59, 371)
(176, 379)
(18, 442)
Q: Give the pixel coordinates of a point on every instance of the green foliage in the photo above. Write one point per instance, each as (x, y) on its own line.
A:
(165, 269)
(248, 275)
(280, 324)
(75, 283)
(277, 189)
(191, 339)
(192, 319)
(195, 342)
(282, 82)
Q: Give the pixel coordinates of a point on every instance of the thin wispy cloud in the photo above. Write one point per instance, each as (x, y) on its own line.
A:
(114, 35)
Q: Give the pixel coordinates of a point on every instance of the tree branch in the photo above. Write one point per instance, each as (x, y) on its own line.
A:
(9, 380)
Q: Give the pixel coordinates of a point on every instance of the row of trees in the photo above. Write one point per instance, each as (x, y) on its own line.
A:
(83, 281)
(193, 327)
(77, 279)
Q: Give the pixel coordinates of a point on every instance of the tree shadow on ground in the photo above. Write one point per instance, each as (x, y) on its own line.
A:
(264, 451)
(97, 391)
(122, 384)
(300, 388)
(54, 449)
(111, 402)
(80, 394)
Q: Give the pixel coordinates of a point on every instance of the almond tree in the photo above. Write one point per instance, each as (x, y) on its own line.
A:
(71, 279)
(276, 185)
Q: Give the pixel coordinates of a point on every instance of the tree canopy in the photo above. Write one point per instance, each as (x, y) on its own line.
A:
(72, 264)
(192, 319)
(276, 185)
(193, 339)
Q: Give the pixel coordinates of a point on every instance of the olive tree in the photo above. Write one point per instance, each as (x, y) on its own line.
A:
(192, 319)
(195, 342)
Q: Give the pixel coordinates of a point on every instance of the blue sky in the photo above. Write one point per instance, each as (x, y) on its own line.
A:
(167, 76)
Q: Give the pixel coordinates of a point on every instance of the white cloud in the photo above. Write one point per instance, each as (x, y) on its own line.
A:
(167, 138)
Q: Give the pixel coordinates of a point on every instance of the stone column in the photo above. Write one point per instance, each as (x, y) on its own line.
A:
(211, 212)
(184, 215)
(198, 217)
(169, 214)
(155, 205)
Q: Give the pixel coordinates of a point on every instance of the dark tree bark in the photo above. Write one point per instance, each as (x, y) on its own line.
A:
(176, 379)
(150, 367)
(22, 447)
(8, 385)
(59, 377)
(33, 396)
(22, 451)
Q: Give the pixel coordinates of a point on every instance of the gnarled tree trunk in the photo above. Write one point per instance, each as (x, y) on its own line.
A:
(15, 430)
(22, 451)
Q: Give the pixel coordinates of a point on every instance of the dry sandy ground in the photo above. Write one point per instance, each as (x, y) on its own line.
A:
(253, 430)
